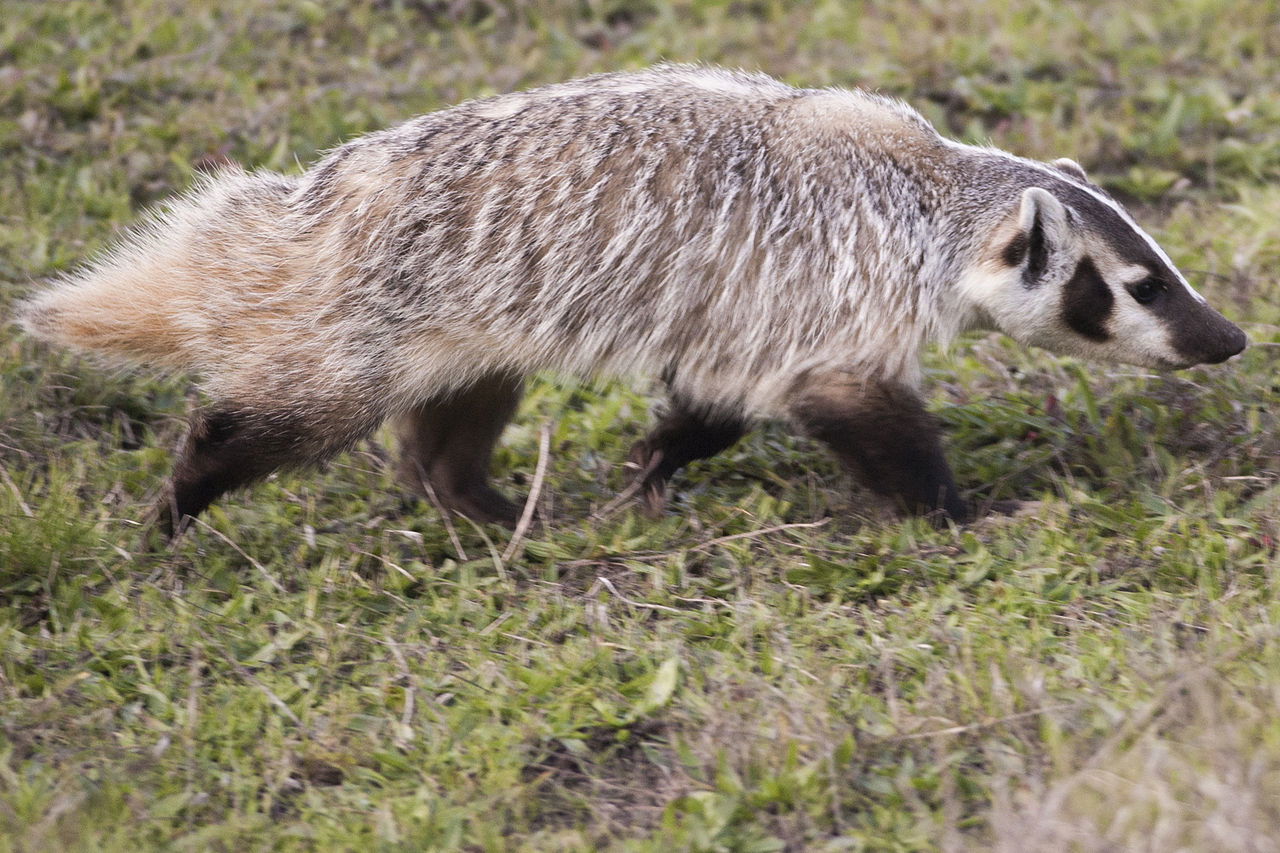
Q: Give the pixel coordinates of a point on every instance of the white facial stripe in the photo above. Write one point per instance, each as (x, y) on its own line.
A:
(1155, 247)
(1131, 274)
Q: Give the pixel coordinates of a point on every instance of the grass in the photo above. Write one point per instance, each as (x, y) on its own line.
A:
(774, 664)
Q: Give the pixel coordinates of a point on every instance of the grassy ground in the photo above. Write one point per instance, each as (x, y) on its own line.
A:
(773, 665)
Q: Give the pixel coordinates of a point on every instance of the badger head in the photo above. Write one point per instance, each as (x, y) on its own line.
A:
(1069, 270)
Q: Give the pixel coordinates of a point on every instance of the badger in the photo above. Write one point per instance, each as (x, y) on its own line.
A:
(766, 251)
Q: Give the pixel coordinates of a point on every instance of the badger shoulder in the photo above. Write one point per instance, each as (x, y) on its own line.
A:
(858, 120)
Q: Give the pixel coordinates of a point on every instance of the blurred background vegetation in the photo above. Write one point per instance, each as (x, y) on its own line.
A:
(771, 666)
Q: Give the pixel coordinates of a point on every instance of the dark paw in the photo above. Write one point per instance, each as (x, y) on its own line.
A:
(481, 504)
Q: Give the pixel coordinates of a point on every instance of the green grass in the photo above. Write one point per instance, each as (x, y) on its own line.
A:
(776, 664)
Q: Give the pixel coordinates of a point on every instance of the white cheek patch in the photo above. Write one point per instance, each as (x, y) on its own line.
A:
(1131, 274)
(980, 284)
(996, 298)
(1134, 333)
(1138, 336)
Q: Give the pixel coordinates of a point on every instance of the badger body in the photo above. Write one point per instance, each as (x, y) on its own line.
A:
(768, 251)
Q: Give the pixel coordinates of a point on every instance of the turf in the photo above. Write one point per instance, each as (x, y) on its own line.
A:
(775, 664)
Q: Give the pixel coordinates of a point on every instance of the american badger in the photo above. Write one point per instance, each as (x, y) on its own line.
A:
(767, 251)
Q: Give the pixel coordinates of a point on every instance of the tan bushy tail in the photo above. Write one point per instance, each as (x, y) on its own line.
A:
(160, 297)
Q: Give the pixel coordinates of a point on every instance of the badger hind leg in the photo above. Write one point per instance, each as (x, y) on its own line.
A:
(882, 434)
(686, 433)
(447, 444)
(231, 445)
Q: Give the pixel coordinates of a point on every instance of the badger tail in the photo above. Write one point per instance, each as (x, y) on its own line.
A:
(161, 296)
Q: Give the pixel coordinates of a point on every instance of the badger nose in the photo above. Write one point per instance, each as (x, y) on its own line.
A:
(1233, 343)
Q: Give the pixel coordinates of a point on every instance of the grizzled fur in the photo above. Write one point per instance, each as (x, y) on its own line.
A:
(769, 251)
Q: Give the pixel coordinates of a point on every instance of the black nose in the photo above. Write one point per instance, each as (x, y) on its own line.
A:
(1231, 343)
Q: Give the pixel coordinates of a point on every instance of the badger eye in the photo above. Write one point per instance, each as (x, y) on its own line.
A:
(1146, 291)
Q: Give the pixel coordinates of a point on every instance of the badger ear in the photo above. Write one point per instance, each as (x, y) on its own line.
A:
(1070, 167)
(1042, 227)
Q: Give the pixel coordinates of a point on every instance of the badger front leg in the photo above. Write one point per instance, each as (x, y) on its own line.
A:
(882, 434)
(447, 443)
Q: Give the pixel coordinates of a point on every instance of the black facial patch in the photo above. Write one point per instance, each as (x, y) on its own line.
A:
(1037, 254)
(1087, 302)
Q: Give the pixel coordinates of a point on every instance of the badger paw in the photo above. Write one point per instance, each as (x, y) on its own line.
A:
(645, 477)
(481, 504)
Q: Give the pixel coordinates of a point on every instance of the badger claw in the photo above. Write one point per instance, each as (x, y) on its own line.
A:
(644, 461)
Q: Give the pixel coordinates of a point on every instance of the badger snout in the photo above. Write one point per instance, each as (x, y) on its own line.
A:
(1211, 341)
(1233, 341)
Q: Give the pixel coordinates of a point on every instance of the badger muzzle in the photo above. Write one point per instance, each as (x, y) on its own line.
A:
(1204, 336)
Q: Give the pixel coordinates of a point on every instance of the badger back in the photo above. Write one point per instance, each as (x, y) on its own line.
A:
(720, 228)
(632, 222)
